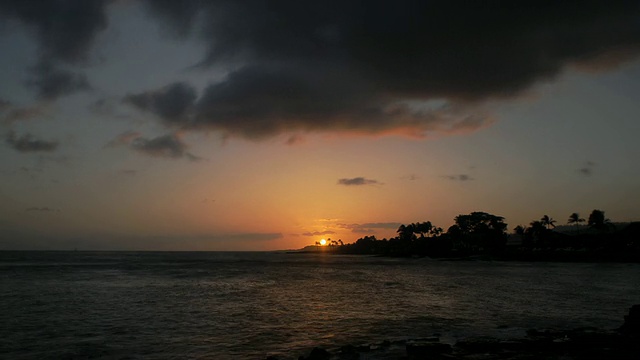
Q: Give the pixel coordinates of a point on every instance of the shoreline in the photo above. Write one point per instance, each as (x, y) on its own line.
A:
(563, 256)
(561, 344)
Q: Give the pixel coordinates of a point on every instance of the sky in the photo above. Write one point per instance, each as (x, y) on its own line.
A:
(264, 125)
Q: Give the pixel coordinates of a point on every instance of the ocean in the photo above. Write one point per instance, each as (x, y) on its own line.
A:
(246, 305)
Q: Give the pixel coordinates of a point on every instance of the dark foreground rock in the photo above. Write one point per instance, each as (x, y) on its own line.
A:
(317, 354)
(549, 344)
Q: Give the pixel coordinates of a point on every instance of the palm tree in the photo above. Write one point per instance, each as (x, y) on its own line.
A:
(548, 221)
(575, 219)
(537, 231)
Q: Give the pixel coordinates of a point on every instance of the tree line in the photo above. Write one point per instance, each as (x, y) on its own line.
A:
(485, 235)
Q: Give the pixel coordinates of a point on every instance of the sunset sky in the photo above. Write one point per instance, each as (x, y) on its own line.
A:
(262, 125)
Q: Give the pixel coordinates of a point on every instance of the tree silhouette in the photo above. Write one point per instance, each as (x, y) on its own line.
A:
(548, 222)
(424, 228)
(575, 219)
(537, 231)
(480, 230)
(598, 221)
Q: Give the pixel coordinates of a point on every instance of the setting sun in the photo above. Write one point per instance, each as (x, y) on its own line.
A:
(323, 242)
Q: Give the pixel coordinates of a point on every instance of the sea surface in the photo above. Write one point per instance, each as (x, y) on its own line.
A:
(243, 305)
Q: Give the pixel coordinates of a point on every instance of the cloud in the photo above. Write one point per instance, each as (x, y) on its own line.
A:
(343, 66)
(352, 66)
(51, 82)
(161, 146)
(459, 177)
(29, 143)
(358, 181)
(171, 103)
(165, 146)
(14, 114)
(265, 101)
(65, 31)
(369, 228)
(295, 140)
(42, 209)
(587, 169)
(318, 233)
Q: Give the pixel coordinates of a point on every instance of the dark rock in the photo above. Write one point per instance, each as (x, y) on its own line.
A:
(479, 345)
(422, 350)
(349, 352)
(318, 354)
(632, 321)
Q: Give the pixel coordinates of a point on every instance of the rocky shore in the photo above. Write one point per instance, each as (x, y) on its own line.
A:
(583, 343)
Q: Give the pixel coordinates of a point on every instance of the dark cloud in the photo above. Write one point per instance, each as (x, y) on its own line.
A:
(51, 82)
(165, 146)
(178, 15)
(65, 29)
(587, 169)
(29, 143)
(171, 103)
(459, 177)
(318, 233)
(260, 102)
(358, 181)
(350, 66)
(346, 66)
(369, 228)
(161, 146)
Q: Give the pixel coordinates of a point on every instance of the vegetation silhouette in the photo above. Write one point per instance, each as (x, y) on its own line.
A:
(575, 219)
(483, 235)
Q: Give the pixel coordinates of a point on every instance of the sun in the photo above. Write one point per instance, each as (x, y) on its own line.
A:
(323, 242)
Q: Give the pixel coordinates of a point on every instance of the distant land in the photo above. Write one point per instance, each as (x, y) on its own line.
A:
(481, 235)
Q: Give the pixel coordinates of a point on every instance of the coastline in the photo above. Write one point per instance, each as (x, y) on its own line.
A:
(565, 344)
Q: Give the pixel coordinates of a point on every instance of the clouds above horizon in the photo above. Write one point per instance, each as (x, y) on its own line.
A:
(65, 32)
(165, 146)
(51, 82)
(459, 177)
(361, 66)
(357, 181)
(407, 67)
(318, 233)
(29, 143)
(369, 228)
(587, 169)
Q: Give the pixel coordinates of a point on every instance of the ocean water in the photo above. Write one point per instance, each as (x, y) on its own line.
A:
(227, 305)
